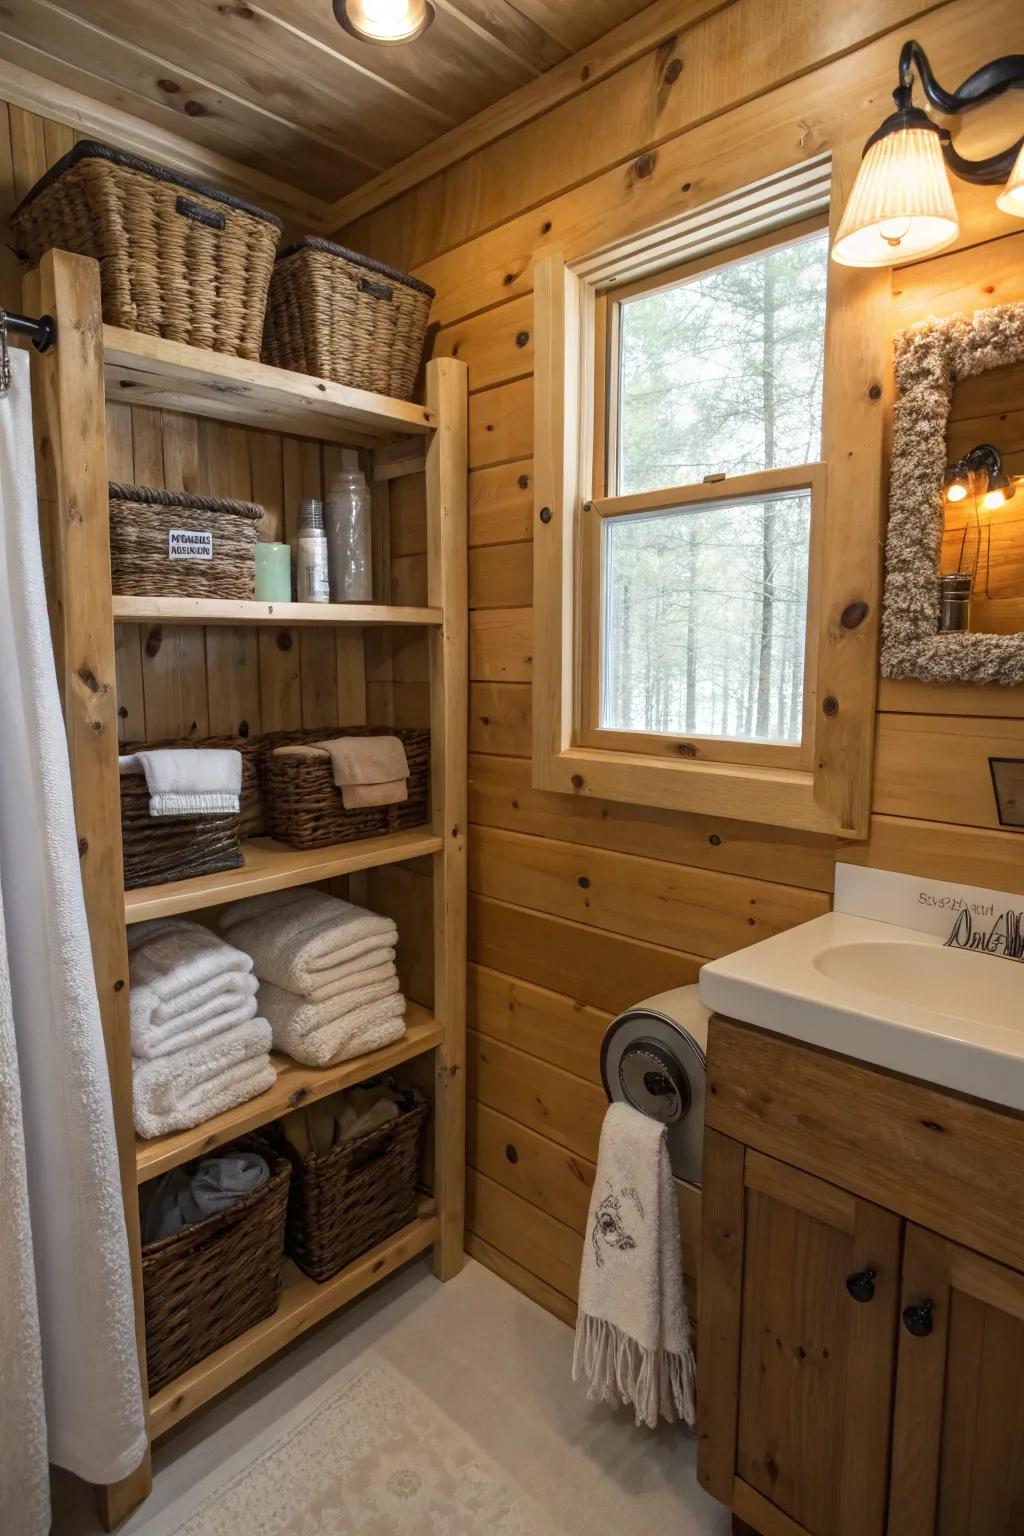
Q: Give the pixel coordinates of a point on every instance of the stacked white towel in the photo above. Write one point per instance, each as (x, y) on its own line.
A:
(198, 1047)
(328, 983)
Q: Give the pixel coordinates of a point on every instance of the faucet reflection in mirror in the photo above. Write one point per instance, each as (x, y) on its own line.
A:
(901, 207)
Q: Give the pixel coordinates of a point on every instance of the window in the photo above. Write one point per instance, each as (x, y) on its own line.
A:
(710, 373)
(705, 637)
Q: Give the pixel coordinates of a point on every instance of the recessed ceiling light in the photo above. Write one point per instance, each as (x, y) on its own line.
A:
(384, 21)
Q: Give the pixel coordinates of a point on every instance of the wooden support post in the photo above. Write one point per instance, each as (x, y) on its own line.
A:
(447, 587)
(68, 400)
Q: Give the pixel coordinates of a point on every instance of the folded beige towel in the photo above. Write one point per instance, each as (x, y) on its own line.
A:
(306, 941)
(317, 1041)
(369, 770)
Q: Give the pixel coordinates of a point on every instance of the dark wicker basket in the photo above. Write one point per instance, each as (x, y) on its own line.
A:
(158, 849)
(142, 521)
(347, 1200)
(338, 315)
(304, 806)
(252, 819)
(209, 1283)
(177, 259)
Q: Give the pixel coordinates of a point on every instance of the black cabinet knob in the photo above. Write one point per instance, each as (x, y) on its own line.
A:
(861, 1286)
(919, 1320)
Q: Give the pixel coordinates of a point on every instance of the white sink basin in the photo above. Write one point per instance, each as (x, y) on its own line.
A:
(886, 995)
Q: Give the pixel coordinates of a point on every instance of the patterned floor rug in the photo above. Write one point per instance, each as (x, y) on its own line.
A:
(370, 1456)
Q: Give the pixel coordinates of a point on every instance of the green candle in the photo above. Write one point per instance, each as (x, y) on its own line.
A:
(273, 573)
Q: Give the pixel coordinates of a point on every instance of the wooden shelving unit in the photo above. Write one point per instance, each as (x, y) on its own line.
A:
(93, 363)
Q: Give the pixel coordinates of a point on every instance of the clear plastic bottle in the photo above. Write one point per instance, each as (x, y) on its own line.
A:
(347, 521)
(311, 579)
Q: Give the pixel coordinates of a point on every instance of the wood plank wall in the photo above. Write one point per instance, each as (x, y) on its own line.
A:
(579, 909)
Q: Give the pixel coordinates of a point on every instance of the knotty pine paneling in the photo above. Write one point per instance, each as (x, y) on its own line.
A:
(547, 969)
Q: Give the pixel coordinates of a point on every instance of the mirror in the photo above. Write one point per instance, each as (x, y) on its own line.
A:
(958, 441)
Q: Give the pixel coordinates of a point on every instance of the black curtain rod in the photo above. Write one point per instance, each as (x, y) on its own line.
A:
(42, 332)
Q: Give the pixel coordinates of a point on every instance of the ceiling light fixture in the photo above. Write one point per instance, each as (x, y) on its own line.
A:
(384, 21)
(901, 206)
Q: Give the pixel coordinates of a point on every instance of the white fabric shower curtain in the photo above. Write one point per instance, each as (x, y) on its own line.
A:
(69, 1377)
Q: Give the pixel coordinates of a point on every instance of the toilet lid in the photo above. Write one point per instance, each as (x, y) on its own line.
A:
(650, 1061)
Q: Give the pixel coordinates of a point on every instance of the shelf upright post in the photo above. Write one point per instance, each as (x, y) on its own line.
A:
(68, 401)
(447, 588)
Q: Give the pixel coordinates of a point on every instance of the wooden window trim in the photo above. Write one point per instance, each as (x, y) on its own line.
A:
(593, 515)
(833, 794)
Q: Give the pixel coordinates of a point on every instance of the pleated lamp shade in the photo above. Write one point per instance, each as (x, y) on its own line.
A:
(901, 207)
(1011, 198)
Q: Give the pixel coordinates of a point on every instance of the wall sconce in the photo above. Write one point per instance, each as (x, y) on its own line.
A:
(983, 460)
(384, 21)
(901, 207)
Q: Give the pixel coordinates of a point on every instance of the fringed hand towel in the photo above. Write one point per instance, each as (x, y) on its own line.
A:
(633, 1332)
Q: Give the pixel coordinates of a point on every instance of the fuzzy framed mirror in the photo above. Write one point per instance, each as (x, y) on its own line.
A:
(954, 581)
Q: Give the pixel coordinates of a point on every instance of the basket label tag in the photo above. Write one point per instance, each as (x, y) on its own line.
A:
(189, 544)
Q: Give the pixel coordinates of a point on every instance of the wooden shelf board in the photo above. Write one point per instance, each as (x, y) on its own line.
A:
(303, 1304)
(295, 1085)
(271, 866)
(148, 370)
(219, 610)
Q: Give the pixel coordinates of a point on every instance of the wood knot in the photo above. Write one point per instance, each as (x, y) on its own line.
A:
(854, 614)
(643, 167)
(171, 87)
(545, 514)
(686, 749)
(546, 227)
(284, 641)
(154, 640)
(875, 392)
(511, 1153)
(87, 676)
(523, 482)
(830, 706)
(583, 881)
(673, 72)
(83, 847)
(119, 985)
(715, 840)
(196, 109)
(522, 337)
(577, 781)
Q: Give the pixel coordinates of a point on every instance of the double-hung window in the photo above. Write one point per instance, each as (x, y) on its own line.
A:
(680, 435)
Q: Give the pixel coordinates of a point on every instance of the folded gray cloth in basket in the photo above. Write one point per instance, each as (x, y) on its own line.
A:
(180, 1199)
(189, 781)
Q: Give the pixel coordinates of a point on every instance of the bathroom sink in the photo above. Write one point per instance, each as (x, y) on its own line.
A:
(887, 995)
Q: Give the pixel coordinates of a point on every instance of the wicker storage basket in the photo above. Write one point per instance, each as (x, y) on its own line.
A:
(252, 819)
(176, 259)
(210, 1282)
(304, 807)
(347, 1200)
(162, 848)
(341, 316)
(150, 543)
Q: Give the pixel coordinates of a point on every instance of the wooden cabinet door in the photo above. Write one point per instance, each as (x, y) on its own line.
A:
(796, 1346)
(958, 1431)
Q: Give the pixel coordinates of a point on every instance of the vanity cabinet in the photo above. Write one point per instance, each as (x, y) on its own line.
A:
(861, 1341)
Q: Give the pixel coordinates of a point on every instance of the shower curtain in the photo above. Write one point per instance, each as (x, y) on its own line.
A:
(69, 1378)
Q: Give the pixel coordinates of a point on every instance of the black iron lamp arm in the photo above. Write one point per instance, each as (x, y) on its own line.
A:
(993, 79)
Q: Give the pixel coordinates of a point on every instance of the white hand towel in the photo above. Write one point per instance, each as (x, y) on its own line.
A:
(218, 1004)
(304, 940)
(365, 1028)
(189, 781)
(632, 1331)
(175, 1092)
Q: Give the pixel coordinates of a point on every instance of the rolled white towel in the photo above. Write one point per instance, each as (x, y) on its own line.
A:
(185, 1088)
(308, 1036)
(217, 1005)
(305, 941)
(189, 781)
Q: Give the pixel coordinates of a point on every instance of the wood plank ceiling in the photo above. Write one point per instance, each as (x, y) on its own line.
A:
(278, 86)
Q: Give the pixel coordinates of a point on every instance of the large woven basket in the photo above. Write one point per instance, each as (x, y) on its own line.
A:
(348, 1199)
(158, 849)
(177, 259)
(338, 315)
(304, 806)
(153, 531)
(213, 1280)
